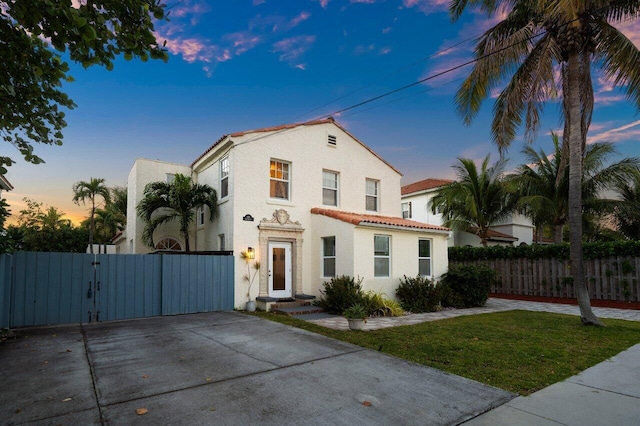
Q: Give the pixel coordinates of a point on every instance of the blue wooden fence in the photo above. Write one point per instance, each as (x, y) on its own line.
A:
(58, 288)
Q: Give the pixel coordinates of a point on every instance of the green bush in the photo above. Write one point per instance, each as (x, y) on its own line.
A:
(340, 293)
(466, 286)
(378, 305)
(419, 294)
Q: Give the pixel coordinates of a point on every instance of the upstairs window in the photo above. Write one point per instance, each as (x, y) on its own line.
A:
(329, 188)
(372, 195)
(424, 258)
(200, 216)
(221, 242)
(224, 177)
(406, 210)
(329, 257)
(280, 179)
(381, 255)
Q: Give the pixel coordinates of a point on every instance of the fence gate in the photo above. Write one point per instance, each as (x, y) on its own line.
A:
(58, 288)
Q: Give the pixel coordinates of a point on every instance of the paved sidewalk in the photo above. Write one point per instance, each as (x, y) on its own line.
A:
(493, 305)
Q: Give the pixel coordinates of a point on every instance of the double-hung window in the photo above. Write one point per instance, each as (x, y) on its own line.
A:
(406, 210)
(381, 255)
(329, 188)
(372, 195)
(224, 177)
(329, 257)
(424, 258)
(200, 213)
(279, 172)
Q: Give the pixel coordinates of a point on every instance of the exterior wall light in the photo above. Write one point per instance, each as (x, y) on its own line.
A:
(251, 254)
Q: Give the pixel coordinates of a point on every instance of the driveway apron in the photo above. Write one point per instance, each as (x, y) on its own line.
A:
(221, 368)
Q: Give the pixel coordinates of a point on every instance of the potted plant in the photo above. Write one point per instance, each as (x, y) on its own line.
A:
(356, 315)
(248, 256)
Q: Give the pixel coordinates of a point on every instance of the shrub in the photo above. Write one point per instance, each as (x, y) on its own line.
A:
(419, 294)
(466, 286)
(380, 306)
(340, 293)
(356, 311)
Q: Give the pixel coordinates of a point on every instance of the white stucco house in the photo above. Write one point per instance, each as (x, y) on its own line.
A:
(311, 202)
(416, 205)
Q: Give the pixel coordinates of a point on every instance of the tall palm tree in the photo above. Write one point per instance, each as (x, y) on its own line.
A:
(165, 202)
(526, 46)
(543, 184)
(626, 216)
(477, 199)
(84, 191)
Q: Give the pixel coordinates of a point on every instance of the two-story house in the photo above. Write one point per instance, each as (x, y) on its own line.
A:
(310, 200)
(416, 205)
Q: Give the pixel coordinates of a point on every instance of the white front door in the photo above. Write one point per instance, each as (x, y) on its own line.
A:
(280, 269)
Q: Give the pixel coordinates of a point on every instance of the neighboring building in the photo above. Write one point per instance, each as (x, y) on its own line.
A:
(311, 200)
(5, 185)
(416, 205)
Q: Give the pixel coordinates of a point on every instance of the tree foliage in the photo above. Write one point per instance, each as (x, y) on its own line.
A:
(34, 36)
(477, 199)
(84, 191)
(176, 201)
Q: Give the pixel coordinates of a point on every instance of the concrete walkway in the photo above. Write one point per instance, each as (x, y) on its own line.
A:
(493, 305)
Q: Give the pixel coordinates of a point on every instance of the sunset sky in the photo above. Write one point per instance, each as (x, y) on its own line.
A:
(246, 64)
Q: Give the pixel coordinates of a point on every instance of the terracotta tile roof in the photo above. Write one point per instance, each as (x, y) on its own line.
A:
(290, 126)
(492, 234)
(363, 219)
(424, 185)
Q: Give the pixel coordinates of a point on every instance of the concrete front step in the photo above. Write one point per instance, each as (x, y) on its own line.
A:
(298, 310)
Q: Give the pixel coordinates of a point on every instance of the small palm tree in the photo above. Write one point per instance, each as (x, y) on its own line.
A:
(165, 202)
(626, 216)
(89, 191)
(478, 199)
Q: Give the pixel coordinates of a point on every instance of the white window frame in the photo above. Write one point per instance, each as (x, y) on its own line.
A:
(406, 213)
(335, 189)
(285, 177)
(375, 195)
(224, 176)
(427, 258)
(377, 257)
(200, 215)
(326, 257)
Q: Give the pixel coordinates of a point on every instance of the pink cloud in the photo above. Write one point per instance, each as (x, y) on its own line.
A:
(384, 51)
(303, 16)
(386, 30)
(631, 30)
(292, 48)
(623, 133)
(242, 41)
(301, 66)
(323, 3)
(259, 2)
(363, 1)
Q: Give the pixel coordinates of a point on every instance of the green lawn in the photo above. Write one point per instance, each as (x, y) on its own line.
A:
(519, 351)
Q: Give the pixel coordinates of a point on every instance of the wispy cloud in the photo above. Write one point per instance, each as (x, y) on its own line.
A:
(291, 49)
(190, 10)
(323, 3)
(428, 6)
(384, 51)
(618, 134)
(631, 29)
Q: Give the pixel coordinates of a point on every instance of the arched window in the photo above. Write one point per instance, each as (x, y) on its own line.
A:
(168, 244)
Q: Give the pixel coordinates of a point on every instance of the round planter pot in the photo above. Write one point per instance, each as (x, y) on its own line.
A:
(356, 324)
(251, 306)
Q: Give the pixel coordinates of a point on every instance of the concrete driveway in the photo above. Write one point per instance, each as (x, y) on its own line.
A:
(221, 368)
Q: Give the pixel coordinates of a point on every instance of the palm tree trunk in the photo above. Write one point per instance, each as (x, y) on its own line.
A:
(557, 234)
(572, 115)
(92, 225)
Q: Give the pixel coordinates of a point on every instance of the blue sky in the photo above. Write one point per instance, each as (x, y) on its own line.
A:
(245, 64)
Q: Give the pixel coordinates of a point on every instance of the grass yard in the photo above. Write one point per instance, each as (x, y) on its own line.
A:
(519, 351)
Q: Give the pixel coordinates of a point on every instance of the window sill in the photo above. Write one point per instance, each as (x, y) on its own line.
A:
(278, 202)
(223, 200)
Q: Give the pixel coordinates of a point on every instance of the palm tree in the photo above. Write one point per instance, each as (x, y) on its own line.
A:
(626, 216)
(477, 199)
(535, 36)
(84, 191)
(543, 184)
(165, 202)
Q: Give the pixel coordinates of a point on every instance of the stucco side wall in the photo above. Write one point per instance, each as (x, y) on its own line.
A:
(421, 210)
(404, 257)
(143, 172)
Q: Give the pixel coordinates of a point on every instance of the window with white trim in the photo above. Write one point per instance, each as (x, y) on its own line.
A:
(329, 188)
(372, 195)
(381, 255)
(200, 215)
(424, 258)
(169, 244)
(406, 210)
(279, 186)
(221, 242)
(224, 177)
(329, 256)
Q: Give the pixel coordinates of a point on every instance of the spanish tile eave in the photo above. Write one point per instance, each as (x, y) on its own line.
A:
(365, 224)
